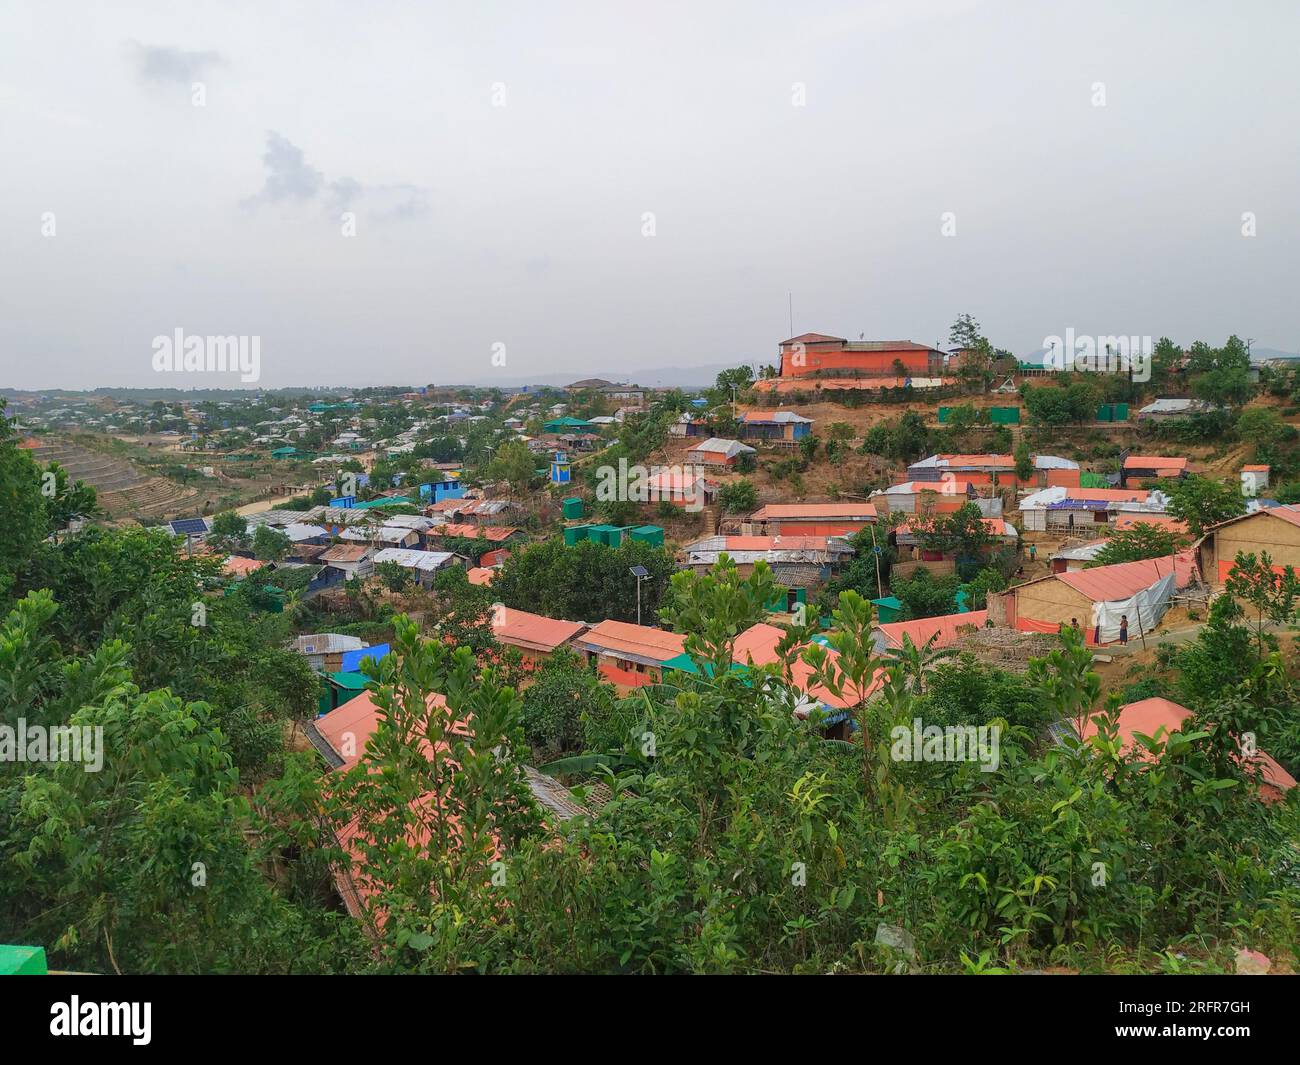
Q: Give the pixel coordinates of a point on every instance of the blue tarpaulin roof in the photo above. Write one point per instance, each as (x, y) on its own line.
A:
(351, 661)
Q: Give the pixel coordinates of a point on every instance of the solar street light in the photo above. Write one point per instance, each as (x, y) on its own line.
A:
(640, 573)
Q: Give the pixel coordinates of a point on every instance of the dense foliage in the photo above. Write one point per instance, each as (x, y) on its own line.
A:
(722, 832)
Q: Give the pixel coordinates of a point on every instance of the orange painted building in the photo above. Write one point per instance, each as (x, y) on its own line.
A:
(817, 353)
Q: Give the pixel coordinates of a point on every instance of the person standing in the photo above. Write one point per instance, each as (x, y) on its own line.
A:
(1123, 628)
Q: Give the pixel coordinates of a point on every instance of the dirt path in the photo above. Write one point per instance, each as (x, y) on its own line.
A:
(263, 505)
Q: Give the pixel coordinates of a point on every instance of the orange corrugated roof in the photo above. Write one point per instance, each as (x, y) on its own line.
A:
(347, 730)
(616, 636)
(236, 566)
(1148, 715)
(533, 631)
(1155, 462)
(815, 510)
(919, 631)
(480, 575)
(1160, 521)
(347, 727)
(757, 646)
(1256, 468)
(1109, 495)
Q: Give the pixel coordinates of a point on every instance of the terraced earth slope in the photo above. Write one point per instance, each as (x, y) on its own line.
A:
(124, 490)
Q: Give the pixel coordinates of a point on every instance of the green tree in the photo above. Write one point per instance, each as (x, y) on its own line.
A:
(1273, 595)
(1024, 463)
(1261, 426)
(1140, 541)
(437, 801)
(228, 531)
(564, 703)
(392, 576)
(25, 522)
(65, 501)
(514, 464)
(585, 582)
(153, 862)
(270, 545)
(1201, 502)
(738, 497)
(916, 662)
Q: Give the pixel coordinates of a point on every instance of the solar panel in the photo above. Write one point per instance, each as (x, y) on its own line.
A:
(189, 527)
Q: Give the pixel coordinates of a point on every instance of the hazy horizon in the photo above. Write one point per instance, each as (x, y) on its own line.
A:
(497, 163)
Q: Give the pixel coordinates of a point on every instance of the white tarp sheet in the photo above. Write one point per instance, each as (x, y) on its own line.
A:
(1144, 611)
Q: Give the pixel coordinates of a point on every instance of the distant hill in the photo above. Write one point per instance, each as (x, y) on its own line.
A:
(1257, 354)
(654, 377)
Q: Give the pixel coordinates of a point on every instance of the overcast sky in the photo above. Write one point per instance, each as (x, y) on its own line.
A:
(523, 224)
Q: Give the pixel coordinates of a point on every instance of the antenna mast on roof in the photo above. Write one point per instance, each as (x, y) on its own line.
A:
(791, 297)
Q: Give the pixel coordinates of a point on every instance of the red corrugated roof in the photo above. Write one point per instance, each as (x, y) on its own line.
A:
(1125, 579)
(480, 575)
(1286, 512)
